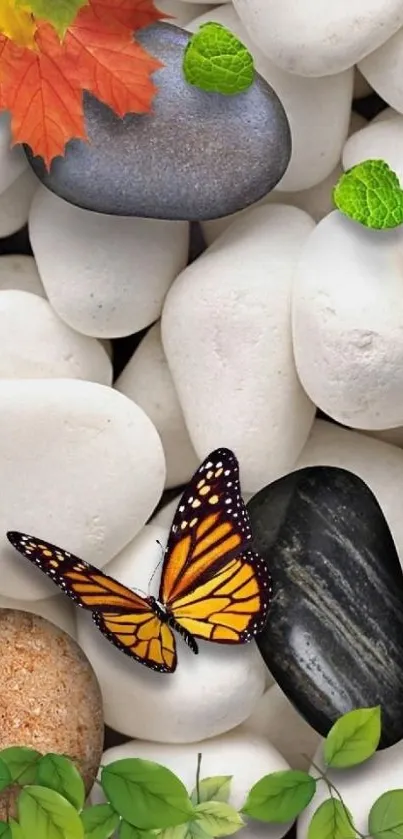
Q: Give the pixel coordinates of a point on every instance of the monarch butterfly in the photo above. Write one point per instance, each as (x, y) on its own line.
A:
(212, 585)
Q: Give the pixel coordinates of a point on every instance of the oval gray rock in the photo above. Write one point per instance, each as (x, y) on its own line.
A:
(197, 156)
(334, 636)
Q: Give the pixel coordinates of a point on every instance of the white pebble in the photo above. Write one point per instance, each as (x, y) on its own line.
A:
(15, 203)
(318, 110)
(245, 757)
(81, 466)
(378, 140)
(362, 88)
(36, 344)
(106, 276)
(386, 113)
(318, 39)
(383, 69)
(147, 381)
(208, 694)
(58, 610)
(359, 788)
(13, 161)
(226, 330)
(20, 273)
(347, 322)
(181, 11)
(379, 464)
(275, 719)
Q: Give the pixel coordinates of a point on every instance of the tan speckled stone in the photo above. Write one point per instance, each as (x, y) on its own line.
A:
(49, 695)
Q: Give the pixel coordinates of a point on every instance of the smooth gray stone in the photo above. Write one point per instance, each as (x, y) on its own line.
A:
(198, 156)
(334, 636)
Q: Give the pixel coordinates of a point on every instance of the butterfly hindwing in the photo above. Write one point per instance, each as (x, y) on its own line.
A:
(144, 638)
(232, 606)
(210, 526)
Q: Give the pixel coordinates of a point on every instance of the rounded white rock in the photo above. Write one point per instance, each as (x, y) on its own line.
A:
(311, 39)
(36, 344)
(348, 322)
(318, 110)
(383, 69)
(20, 273)
(81, 466)
(13, 161)
(226, 330)
(15, 203)
(208, 694)
(58, 610)
(359, 788)
(244, 757)
(105, 276)
(378, 140)
(276, 720)
(379, 464)
(181, 11)
(147, 381)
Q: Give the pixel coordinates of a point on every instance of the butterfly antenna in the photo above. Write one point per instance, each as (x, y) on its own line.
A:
(156, 567)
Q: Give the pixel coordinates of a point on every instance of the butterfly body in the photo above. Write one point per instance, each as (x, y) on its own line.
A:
(213, 585)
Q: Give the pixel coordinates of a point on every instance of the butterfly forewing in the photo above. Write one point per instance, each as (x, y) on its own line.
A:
(211, 526)
(231, 607)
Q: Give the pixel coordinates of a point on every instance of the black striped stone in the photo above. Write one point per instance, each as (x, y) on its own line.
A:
(334, 638)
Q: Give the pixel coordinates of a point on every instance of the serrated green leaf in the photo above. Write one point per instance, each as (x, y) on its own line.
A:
(22, 763)
(99, 821)
(216, 788)
(5, 831)
(146, 794)
(218, 62)
(60, 13)
(385, 820)
(370, 193)
(218, 818)
(5, 775)
(46, 814)
(331, 821)
(280, 797)
(353, 738)
(59, 773)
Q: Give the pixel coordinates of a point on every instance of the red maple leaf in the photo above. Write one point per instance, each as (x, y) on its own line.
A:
(43, 89)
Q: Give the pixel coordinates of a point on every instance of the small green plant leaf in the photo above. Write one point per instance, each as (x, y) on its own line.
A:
(353, 738)
(216, 788)
(127, 831)
(331, 821)
(385, 820)
(59, 773)
(46, 814)
(146, 794)
(99, 821)
(216, 61)
(5, 776)
(370, 193)
(218, 818)
(5, 831)
(22, 763)
(280, 797)
(191, 830)
(16, 831)
(60, 13)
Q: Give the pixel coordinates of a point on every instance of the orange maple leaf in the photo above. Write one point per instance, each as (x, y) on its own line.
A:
(43, 89)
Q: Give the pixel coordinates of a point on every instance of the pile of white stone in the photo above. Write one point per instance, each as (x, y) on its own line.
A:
(291, 308)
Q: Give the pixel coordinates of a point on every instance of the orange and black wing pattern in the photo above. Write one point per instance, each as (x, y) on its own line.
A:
(124, 617)
(214, 585)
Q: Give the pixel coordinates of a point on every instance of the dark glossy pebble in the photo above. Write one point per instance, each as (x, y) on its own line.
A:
(334, 638)
(197, 156)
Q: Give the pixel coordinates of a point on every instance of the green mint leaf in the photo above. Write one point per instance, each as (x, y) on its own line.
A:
(127, 831)
(353, 738)
(217, 818)
(216, 61)
(21, 763)
(146, 794)
(99, 821)
(59, 773)
(216, 788)
(5, 776)
(5, 831)
(280, 797)
(331, 821)
(60, 13)
(385, 820)
(370, 194)
(46, 814)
